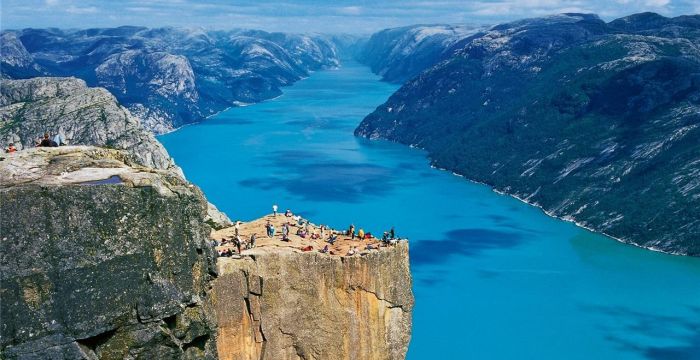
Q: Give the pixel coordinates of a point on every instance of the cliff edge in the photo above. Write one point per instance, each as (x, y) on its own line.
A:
(102, 258)
(300, 296)
(277, 303)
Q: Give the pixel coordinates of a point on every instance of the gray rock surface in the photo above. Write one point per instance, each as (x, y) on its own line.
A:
(101, 258)
(80, 114)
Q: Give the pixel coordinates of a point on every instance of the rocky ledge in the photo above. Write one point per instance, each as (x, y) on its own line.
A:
(102, 258)
(278, 303)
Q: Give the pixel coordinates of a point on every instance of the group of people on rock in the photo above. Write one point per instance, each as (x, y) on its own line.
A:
(44, 141)
(306, 230)
(239, 243)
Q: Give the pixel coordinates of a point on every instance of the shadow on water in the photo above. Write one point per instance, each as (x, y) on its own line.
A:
(462, 242)
(508, 223)
(681, 334)
(313, 177)
(349, 183)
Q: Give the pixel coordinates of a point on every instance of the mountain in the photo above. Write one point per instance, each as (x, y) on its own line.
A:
(399, 54)
(80, 114)
(169, 77)
(595, 122)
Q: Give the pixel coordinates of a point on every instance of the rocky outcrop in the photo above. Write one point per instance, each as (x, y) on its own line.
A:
(280, 304)
(80, 114)
(169, 77)
(594, 122)
(102, 258)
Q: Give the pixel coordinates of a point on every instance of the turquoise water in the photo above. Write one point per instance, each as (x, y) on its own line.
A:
(493, 278)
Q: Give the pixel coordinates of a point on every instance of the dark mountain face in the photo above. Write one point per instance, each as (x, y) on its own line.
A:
(596, 123)
(169, 77)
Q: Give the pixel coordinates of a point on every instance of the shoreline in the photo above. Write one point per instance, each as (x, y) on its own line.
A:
(565, 218)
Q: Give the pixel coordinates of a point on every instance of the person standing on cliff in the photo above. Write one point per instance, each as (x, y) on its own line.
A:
(251, 243)
(237, 227)
(285, 232)
(274, 210)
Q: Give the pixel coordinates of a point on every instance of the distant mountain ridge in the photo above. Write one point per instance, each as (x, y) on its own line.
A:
(595, 122)
(169, 77)
(399, 54)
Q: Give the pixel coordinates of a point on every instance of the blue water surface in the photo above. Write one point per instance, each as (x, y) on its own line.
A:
(493, 278)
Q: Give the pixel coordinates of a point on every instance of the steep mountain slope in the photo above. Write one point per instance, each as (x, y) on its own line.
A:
(399, 54)
(597, 123)
(81, 114)
(167, 76)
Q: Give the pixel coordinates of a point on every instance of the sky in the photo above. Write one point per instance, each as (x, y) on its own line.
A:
(338, 16)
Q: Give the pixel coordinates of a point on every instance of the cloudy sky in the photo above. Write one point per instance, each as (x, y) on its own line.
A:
(333, 16)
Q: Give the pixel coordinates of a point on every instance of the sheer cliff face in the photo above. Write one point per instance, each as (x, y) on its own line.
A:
(166, 76)
(287, 305)
(92, 270)
(81, 114)
(595, 122)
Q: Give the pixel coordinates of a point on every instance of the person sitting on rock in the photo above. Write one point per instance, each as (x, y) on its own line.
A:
(332, 238)
(307, 248)
(288, 213)
(361, 234)
(301, 233)
(46, 142)
(11, 148)
(352, 251)
(324, 250)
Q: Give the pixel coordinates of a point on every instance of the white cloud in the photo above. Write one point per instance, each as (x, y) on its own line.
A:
(139, 9)
(641, 3)
(81, 10)
(657, 3)
(350, 10)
